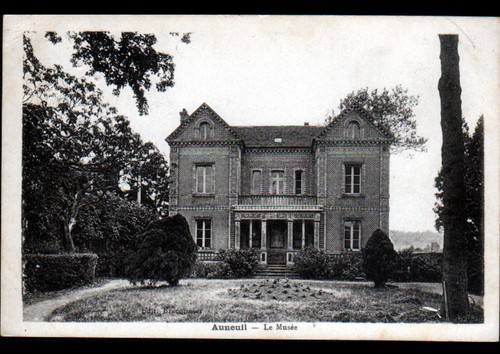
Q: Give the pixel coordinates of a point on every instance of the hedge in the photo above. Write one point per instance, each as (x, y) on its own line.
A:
(316, 264)
(426, 267)
(211, 270)
(49, 272)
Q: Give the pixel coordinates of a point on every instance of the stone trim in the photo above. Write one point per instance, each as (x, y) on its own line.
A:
(350, 208)
(276, 150)
(221, 208)
(204, 142)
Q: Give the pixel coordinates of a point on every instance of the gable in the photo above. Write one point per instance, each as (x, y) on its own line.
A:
(203, 125)
(353, 123)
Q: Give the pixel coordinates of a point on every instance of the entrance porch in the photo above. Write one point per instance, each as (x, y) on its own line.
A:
(277, 237)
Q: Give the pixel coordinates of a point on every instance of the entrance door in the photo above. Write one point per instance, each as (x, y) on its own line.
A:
(276, 242)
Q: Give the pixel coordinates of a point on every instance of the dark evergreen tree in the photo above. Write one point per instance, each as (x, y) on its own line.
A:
(379, 258)
(165, 251)
(474, 204)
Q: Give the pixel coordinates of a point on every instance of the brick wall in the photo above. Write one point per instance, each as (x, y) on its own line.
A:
(289, 162)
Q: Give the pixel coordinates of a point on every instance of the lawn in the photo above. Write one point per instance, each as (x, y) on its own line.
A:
(255, 300)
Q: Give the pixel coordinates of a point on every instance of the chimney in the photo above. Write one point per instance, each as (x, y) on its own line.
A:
(184, 115)
(306, 124)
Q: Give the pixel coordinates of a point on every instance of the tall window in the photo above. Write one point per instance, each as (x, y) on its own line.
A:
(204, 131)
(353, 129)
(204, 233)
(256, 182)
(352, 232)
(352, 179)
(277, 182)
(298, 182)
(205, 179)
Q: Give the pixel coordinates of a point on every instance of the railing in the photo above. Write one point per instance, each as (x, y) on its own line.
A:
(277, 200)
(208, 256)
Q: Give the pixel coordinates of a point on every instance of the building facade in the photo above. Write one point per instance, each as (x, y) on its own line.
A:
(280, 189)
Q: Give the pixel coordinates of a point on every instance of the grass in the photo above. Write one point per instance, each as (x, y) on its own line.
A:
(210, 300)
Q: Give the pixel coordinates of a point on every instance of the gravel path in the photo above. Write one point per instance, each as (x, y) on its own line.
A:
(40, 310)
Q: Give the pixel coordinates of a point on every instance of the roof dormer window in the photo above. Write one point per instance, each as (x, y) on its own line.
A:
(278, 140)
(204, 130)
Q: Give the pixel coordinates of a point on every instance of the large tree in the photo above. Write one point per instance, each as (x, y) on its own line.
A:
(474, 203)
(392, 111)
(456, 301)
(129, 60)
(76, 148)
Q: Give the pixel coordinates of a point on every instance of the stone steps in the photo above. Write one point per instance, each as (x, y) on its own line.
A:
(275, 271)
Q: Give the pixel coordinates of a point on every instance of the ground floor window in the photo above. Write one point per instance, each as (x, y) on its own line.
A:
(352, 235)
(303, 234)
(250, 233)
(204, 233)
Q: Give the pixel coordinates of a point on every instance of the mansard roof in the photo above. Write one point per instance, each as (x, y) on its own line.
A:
(268, 136)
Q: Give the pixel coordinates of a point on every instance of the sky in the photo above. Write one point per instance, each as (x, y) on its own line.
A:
(287, 70)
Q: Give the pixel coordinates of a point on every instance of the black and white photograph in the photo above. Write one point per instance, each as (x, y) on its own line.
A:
(251, 177)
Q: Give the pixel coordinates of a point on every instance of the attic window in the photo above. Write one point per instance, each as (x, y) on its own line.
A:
(353, 129)
(278, 140)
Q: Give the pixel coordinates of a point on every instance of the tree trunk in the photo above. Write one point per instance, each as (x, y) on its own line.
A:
(452, 153)
(68, 237)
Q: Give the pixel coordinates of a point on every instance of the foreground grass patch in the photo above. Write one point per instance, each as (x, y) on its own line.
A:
(204, 300)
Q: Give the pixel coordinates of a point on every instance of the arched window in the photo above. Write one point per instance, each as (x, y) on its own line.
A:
(353, 129)
(204, 130)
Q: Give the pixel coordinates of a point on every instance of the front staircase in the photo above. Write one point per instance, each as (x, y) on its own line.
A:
(275, 271)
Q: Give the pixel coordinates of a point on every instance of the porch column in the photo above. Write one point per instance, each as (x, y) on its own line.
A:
(316, 234)
(250, 234)
(290, 234)
(263, 235)
(303, 234)
(237, 234)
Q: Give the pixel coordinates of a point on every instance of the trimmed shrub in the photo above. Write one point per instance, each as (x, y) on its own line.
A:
(165, 251)
(379, 258)
(211, 270)
(311, 263)
(427, 267)
(242, 262)
(49, 272)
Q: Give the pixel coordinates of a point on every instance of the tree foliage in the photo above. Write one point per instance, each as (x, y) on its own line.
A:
(474, 203)
(128, 61)
(165, 251)
(379, 258)
(392, 111)
(76, 150)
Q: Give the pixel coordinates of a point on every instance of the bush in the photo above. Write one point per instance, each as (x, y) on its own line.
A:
(427, 267)
(315, 264)
(311, 263)
(379, 258)
(211, 270)
(164, 251)
(345, 266)
(242, 262)
(49, 272)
